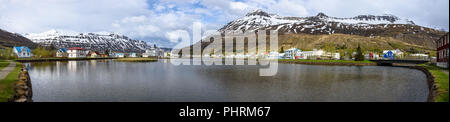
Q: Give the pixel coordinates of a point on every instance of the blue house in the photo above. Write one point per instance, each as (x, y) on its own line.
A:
(22, 52)
(389, 55)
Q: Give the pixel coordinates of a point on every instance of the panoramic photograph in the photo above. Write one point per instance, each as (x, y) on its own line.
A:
(224, 51)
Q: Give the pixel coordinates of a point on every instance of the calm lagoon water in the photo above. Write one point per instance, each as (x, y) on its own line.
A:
(110, 81)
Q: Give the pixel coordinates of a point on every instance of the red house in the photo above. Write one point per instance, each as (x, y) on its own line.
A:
(442, 51)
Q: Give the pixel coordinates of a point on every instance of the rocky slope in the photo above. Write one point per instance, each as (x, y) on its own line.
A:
(8, 39)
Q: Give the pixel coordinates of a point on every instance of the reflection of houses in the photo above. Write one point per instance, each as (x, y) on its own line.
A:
(442, 51)
(62, 52)
(22, 52)
(76, 52)
(153, 52)
(93, 54)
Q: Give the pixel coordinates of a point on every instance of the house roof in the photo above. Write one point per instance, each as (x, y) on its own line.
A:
(20, 49)
(76, 48)
(63, 50)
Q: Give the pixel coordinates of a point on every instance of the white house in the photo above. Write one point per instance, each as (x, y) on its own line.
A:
(62, 52)
(133, 55)
(93, 54)
(292, 53)
(153, 52)
(419, 55)
(76, 52)
(119, 55)
(311, 54)
(22, 52)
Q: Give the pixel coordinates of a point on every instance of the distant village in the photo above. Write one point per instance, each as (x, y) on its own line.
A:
(78, 52)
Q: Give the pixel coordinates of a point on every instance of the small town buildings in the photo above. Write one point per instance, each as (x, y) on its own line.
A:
(61, 52)
(372, 56)
(153, 52)
(104, 55)
(22, 52)
(76, 52)
(442, 51)
(312, 54)
(420, 56)
(119, 55)
(391, 54)
(293, 53)
(335, 56)
(273, 55)
(93, 54)
(132, 55)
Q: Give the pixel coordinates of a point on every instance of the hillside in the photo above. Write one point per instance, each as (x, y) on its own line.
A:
(373, 33)
(8, 39)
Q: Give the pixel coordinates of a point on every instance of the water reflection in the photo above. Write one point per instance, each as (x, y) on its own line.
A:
(163, 82)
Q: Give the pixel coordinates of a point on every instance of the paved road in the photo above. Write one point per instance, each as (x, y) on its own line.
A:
(5, 71)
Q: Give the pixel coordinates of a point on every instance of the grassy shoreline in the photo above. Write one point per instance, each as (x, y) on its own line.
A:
(329, 62)
(441, 80)
(136, 60)
(7, 84)
(57, 59)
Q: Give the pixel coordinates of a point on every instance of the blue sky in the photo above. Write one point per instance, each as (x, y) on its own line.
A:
(153, 20)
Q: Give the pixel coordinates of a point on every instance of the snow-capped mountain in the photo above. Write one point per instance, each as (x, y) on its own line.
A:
(388, 27)
(321, 23)
(94, 41)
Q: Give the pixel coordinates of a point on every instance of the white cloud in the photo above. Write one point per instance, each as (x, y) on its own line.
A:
(238, 6)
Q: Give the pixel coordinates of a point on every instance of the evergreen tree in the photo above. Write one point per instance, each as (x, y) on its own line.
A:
(107, 52)
(359, 54)
(282, 50)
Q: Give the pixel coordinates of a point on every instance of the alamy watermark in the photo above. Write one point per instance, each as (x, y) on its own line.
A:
(229, 47)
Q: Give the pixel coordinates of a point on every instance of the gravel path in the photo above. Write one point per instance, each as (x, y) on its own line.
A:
(5, 71)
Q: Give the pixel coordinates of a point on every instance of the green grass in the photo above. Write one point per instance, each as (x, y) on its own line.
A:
(136, 59)
(328, 61)
(441, 81)
(7, 84)
(57, 59)
(3, 64)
